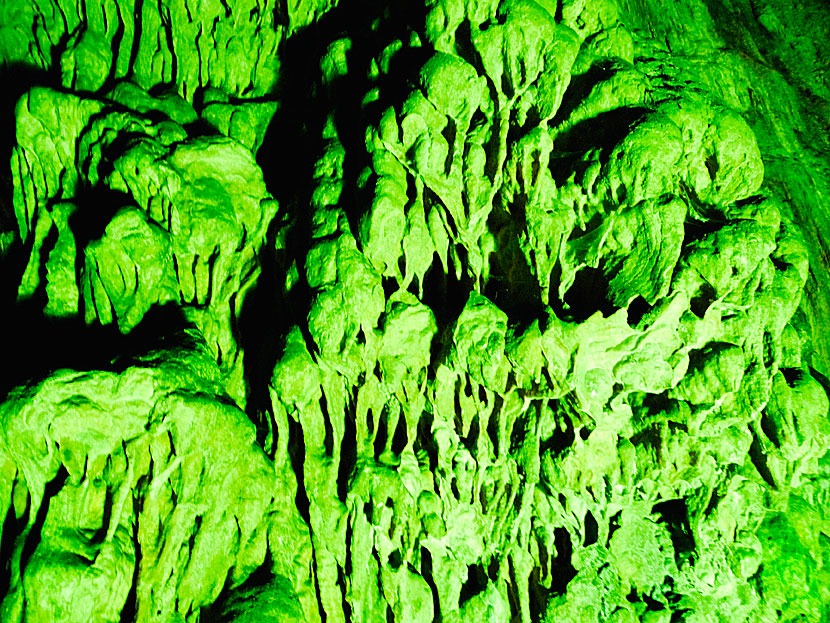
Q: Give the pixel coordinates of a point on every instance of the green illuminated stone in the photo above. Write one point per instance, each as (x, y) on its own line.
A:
(508, 310)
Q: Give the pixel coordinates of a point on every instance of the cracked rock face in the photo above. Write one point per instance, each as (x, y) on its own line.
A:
(413, 312)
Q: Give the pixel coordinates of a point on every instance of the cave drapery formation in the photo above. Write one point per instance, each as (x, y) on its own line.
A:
(454, 310)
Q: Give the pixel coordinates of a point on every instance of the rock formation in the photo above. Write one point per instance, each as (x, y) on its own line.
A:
(454, 310)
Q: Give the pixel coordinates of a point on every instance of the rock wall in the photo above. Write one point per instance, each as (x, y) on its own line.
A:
(456, 310)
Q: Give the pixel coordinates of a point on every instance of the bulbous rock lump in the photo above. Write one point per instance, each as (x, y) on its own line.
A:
(448, 310)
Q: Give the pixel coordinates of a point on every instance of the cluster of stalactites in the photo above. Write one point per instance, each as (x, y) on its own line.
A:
(490, 466)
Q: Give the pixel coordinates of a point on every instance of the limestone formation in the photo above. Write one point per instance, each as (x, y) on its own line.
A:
(454, 310)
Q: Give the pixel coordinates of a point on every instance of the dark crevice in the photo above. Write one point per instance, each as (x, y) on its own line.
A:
(471, 440)
(792, 376)
(493, 569)
(382, 435)
(696, 230)
(602, 132)
(701, 301)
(296, 451)
(768, 346)
(262, 331)
(652, 605)
(513, 598)
(562, 570)
(444, 295)
(580, 86)
(328, 437)
(51, 489)
(128, 612)
(12, 527)
(822, 380)
(395, 559)
(759, 460)
(258, 587)
(563, 435)
(342, 584)
(679, 615)
(587, 295)
(770, 429)
(425, 441)
(475, 583)
(72, 344)
(518, 433)
(316, 573)
(400, 439)
(712, 166)
(348, 455)
(637, 308)
(539, 596)
(591, 529)
(613, 526)
(426, 573)
(96, 208)
(675, 515)
(512, 285)
(493, 425)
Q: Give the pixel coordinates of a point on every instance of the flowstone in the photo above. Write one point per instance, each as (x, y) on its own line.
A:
(408, 312)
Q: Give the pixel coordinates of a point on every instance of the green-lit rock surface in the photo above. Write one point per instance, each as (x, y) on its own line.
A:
(500, 311)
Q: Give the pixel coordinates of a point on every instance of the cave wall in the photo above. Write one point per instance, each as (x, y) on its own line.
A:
(423, 311)
(764, 60)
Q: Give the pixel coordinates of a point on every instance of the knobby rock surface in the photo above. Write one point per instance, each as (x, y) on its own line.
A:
(453, 310)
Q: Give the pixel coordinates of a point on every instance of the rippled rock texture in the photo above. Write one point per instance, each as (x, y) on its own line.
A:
(450, 310)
